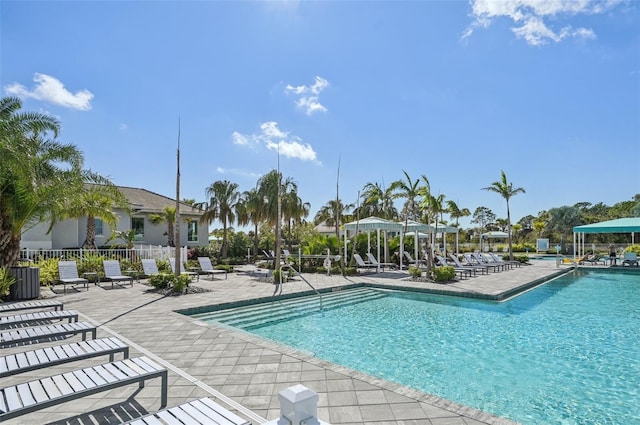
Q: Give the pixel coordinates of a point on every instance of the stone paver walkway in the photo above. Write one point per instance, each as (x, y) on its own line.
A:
(243, 372)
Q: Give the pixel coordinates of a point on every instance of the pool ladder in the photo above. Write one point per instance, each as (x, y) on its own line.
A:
(278, 289)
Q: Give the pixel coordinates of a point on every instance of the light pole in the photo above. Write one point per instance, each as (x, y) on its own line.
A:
(279, 208)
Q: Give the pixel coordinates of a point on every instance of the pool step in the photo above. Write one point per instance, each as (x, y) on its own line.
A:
(249, 317)
(268, 306)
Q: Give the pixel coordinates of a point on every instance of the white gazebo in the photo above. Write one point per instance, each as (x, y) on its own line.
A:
(372, 223)
(492, 235)
(444, 229)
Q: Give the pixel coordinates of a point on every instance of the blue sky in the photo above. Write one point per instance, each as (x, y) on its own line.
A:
(548, 91)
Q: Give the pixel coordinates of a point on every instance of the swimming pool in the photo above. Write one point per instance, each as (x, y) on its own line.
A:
(567, 352)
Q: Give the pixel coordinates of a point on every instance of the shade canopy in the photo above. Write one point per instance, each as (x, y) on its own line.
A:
(374, 223)
(495, 235)
(412, 234)
(620, 225)
(409, 225)
(443, 228)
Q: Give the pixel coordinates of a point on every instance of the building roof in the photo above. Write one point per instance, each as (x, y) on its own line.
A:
(145, 201)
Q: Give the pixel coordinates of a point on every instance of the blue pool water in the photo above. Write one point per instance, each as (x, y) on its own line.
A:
(567, 352)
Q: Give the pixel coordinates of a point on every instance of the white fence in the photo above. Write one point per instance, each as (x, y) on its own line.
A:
(139, 252)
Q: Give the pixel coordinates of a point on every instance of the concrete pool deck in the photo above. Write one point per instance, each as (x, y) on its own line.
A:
(243, 372)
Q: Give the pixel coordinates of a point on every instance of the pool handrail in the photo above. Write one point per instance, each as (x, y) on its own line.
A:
(290, 266)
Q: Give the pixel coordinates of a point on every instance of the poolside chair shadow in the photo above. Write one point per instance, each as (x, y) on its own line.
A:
(117, 413)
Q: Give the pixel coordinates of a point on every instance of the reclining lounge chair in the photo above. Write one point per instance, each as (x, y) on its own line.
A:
(207, 267)
(68, 271)
(114, 274)
(17, 400)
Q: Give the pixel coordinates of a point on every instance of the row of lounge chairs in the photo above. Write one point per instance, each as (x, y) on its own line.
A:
(68, 271)
(26, 397)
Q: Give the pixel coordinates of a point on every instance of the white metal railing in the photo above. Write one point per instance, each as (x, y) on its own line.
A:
(139, 252)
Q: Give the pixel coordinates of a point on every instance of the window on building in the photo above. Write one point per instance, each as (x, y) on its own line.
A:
(99, 227)
(192, 231)
(137, 224)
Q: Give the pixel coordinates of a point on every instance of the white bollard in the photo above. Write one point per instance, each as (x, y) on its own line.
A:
(298, 406)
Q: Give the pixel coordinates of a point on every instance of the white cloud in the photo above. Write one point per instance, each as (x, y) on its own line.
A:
(531, 17)
(50, 89)
(239, 139)
(273, 138)
(123, 127)
(308, 96)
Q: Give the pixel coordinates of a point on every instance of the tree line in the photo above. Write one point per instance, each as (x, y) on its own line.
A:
(44, 181)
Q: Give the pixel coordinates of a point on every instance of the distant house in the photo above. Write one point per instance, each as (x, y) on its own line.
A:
(143, 203)
(326, 230)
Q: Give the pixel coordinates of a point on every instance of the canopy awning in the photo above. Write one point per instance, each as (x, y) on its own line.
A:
(495, 235)
(374, 223)
(620, 225)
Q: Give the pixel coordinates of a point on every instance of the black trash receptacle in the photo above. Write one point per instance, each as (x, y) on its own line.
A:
(27, 284)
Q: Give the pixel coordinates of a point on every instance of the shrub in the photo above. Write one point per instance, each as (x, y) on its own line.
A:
(6, 280)
(415, 272)
(161, 280)
(633, 248)
(180, 282)
(444, 273)
(226, 267)
(48, 270)
(90, 263)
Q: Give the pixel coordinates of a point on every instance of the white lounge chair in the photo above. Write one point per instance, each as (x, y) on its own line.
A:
(31, 305)
(411, 260)
(24, 335)
(456, 261)
(38, 316)
(361, 264)
(191, 274)
(113, 273)
(50, 391)
(196, 412)
(207, 267)
(462, 271)
(68, 271)
(630, 259)
(149, 267)
(375, 262)
(13, 364)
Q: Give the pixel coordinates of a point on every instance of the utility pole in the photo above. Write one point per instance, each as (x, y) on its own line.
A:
(177, 223)
(279, 213)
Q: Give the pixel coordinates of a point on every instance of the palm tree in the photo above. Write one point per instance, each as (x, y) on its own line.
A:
(249, 210)
(333, 213)
(223, 196)
(377, 202)
(96, 201)
(505, 189)
(168, 214)
(294, 211)
(39, 176)
(457, 212)
(409, 190)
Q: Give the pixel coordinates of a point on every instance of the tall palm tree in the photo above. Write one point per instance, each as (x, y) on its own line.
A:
(505, 189)
(39, 176)
(457, 212)
(409, 190)
(249, 211)
(167, 215)
(377, 202)
(223, 196)
(334, 214)
(294, 211)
